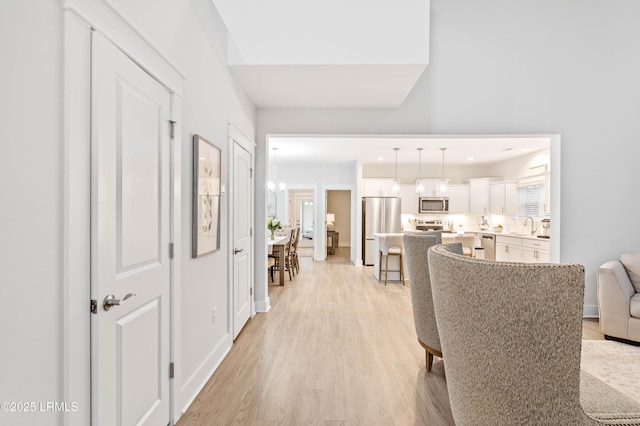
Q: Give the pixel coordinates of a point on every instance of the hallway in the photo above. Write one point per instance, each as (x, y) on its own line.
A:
(336, 347)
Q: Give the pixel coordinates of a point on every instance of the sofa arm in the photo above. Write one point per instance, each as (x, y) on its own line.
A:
(614, 291)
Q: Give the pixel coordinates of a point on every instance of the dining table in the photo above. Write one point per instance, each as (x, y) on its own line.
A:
(279, 243)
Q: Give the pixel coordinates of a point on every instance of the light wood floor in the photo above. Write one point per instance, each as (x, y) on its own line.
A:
(337, 347)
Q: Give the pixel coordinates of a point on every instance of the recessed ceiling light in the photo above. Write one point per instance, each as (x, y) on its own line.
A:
(525, 150)
(469, 158)
(380, 158)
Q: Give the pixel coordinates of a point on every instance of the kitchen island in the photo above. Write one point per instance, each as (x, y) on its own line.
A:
(394, 261)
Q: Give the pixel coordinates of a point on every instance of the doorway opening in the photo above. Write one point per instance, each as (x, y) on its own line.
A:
(302, 214)
(338, 223)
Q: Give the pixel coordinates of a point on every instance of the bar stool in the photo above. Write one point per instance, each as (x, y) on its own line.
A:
(391, 246)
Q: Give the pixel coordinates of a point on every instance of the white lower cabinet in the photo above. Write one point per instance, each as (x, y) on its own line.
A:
(534, 251)
(508, 249)
(514, 249)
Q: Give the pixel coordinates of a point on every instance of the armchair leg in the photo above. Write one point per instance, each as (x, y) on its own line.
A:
(429, 354)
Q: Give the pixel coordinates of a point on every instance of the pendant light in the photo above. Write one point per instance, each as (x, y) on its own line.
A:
(419, 186)
(396, 182)
(443, 182)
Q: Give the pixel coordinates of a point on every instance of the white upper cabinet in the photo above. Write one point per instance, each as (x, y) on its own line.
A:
(503, 198)
(458, 199)
(479, 196)
(409, 199)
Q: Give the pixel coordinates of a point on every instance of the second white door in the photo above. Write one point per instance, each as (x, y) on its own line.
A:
(242, 249)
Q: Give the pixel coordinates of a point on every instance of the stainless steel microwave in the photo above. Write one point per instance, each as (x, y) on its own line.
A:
(434, 205)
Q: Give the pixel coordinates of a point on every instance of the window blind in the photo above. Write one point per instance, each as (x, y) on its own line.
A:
(531, 199)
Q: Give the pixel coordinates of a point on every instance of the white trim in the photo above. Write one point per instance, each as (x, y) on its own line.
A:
(105, 18)
(176, 262)
(590, 311)
(76, 216)
(263, 305)
(80, 17)
(235, 136)
(556, 203)
(354, 214)
(238, 135)
(209, 365)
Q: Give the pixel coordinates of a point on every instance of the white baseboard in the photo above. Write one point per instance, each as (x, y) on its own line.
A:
(203, 373)
(590, 311)
(263, 305)
(344, 244)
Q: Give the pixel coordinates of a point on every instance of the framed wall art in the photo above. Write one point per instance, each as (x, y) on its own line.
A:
(205, 236)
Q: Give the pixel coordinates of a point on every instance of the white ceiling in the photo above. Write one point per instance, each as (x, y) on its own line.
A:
(368, 149)
(327, 86)
(328, 54)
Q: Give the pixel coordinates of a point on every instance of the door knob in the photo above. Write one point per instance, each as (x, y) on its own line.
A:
(110, 301)
(236, 251)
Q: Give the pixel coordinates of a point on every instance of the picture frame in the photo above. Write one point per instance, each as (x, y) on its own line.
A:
(205, 235)
(272, 205)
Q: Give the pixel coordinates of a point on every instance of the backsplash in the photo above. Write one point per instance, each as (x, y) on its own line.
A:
(471, 222)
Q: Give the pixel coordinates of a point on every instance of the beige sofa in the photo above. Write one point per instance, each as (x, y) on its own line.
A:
(619, 297)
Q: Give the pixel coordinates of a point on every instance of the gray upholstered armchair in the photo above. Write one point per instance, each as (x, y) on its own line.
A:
(416, 247)
(619, 297)
(511, 337)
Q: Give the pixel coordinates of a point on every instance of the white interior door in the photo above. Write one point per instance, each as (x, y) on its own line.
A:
(130, 238)
(242, 218)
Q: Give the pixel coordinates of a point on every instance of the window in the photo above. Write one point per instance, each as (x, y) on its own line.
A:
(531, 199)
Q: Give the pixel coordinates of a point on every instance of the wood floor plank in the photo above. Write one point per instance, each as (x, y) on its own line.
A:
(337, 347)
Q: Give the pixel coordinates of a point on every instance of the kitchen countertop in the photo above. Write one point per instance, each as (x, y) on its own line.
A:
(505, 234)
(475, 231)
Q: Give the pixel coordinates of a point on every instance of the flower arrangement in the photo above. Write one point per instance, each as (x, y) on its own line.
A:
(273, 225)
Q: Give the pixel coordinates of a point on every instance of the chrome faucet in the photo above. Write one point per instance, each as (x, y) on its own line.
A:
(533, 231)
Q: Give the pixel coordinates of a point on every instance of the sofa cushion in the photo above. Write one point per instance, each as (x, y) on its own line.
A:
(631, 262)
(634, 305)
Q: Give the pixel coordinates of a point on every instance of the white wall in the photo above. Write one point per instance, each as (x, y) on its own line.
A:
(408, 173)
(526, 165)
(500, 67)
(31, 216)
(323, 33)
(192, 37)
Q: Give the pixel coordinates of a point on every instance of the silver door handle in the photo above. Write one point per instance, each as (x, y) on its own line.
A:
(236, 251)
(110, 301)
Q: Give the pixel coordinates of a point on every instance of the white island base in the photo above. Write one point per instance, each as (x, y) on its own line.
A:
(394, 261)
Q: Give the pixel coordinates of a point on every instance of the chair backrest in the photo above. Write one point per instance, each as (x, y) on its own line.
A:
(287, 246)
(416, 246)
(295, 240)
(284, 231)
(511, 337)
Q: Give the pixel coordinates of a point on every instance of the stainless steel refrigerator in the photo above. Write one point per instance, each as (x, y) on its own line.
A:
(379, 215)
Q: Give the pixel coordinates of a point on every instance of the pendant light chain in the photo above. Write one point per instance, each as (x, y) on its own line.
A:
(443, 182)
(396, 183)
(419, 187)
